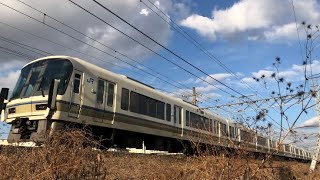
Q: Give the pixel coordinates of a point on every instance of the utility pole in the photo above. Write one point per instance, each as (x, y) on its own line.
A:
(315, 87)
(194, 96)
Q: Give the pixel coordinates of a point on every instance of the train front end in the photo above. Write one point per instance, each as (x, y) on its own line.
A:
(31, 110)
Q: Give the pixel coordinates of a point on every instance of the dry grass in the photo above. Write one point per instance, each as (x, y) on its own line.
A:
(70, 156)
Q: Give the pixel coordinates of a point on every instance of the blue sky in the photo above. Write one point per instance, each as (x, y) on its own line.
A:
(245, 36)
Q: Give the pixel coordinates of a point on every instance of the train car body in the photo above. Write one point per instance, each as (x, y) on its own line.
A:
(54, 91)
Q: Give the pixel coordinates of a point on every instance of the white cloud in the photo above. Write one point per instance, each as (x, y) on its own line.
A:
(7, 67)
(212, 77)
(287, 31)
(255, 19)
(294, 73)
(9, 73)
(248, 80)
(157, 3)
(144, 12)
(66, 12)
(313, 122)
(9, 80)
(253, 38)
(205, 89)
(266, 73)
(314, 66)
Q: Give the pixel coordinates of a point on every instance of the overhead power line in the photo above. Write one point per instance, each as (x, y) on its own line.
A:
(17, 52)
(160, 54)
(259, 100)
(163, 57)
(86, 43)
(25, 46)
(65, 47)
(193, 41)
(108, 53)
(167, 49)
(100, 43)
(13, 53)
(150, 74)
(116, 51)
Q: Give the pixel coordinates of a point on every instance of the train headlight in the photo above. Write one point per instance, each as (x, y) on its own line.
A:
(28, 123)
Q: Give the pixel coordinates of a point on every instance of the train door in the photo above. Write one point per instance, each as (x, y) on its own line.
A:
(76, 95)
(105, 101)
(177, 119)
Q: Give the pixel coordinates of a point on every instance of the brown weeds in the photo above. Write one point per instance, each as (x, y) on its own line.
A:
(71, 155)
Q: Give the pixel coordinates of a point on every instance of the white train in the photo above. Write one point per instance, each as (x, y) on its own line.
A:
(54, 91)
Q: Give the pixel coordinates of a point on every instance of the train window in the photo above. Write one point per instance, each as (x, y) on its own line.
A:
(160, 110)
(100, 92)
(223, 128)
(262, 141)
(145, 105)
(168, 111)
(215, 127)
(177, 114)
(231, 132)
(152, 107)
(32, 83)
(110, 94)
(200, 122)
(35, 78)
(76, 83)
(286, 148)
(246, 136)
(236, 132)
(194, 120)
(134, 102)
(205, 124)
(187, 118)
(125, 99)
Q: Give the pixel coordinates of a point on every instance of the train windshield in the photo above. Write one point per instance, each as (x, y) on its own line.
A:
(35, 78)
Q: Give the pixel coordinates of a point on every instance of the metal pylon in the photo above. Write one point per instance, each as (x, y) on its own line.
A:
(317, 99)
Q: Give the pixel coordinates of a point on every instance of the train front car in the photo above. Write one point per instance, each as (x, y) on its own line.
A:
(31, 108)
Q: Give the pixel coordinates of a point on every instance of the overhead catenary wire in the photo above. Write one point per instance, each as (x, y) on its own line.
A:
(116, 51)
(167, 49)
(25, 46)
(65, 47)
(13, 53)
(163, 56)
(17, 52)
(20, 55)
(298, 34)
(96, 58)
(51, 27)
(91, 45)
(86, 44)
(100, 43)
(187, 36)
(193, 41)
(45, 14)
